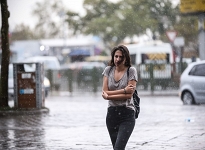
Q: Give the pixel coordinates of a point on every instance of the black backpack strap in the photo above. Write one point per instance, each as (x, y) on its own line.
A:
(110, 70)
(128, 73)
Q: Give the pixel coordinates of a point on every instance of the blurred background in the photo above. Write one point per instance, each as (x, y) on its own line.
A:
(162, 37)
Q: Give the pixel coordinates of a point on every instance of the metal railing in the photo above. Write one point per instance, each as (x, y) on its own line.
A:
(150, 77)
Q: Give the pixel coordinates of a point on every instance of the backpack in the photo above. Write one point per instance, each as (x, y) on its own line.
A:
(136, 98)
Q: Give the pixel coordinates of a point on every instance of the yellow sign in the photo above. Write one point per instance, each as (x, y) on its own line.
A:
(156, 67)
(157, 56)
(192, 6)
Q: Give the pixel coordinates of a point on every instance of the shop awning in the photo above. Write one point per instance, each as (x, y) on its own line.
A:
(98, 58)
(79, 52)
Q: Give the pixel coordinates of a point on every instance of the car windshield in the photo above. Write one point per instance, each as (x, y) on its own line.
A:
(49, 64)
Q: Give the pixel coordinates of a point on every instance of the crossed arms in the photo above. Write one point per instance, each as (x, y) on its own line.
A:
(121, 94)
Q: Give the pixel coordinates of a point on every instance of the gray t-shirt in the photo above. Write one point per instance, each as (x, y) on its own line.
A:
(121, 84)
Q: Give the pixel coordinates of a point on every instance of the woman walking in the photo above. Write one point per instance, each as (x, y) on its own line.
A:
(118, 88)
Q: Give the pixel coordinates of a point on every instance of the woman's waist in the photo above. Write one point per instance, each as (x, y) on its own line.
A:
(120, 111)
(117, 102)
(121, 106)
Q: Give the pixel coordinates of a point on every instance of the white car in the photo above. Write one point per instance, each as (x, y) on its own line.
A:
(50, 63)
(11, 82)
(192, 84)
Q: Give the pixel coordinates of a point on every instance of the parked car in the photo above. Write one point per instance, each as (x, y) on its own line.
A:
(50, 63)
(46, 82)
(83, 71)
(83, 65)
(192, 83)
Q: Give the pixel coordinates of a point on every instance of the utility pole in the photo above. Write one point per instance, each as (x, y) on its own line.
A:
(196, 8)
(201, 36)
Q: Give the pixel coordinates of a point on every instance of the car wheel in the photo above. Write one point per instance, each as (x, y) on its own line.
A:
(187, 98)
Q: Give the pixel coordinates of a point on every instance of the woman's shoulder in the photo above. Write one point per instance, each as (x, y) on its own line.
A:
(132, 68)
(133, 73)
(107, 70)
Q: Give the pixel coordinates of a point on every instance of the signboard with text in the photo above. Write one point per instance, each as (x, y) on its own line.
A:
(192, 6)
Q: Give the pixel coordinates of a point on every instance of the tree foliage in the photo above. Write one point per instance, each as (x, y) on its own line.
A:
(112, 22)
(22, 32)
(50, 14)
(126, 18)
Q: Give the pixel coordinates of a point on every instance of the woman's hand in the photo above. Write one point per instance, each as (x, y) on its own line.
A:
(104, 95)
(130, 88)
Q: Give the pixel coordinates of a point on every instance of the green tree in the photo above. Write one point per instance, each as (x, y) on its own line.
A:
(50, 14)
(157, 16)
(5, 54)
(96, 20)
(126, 18)
(22, 32)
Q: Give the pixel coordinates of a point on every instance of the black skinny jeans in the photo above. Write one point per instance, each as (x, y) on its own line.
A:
(120, 124)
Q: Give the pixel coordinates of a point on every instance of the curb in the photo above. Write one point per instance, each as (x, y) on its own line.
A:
(141, 93)
(27, 111)
(158, 93)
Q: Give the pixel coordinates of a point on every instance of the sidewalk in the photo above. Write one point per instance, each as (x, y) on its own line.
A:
(78, 123)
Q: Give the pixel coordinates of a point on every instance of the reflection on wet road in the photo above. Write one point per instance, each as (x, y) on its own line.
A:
(78, 123)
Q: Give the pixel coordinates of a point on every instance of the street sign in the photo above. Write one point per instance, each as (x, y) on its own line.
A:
(171, 35)
(192, 6)
(179, 41)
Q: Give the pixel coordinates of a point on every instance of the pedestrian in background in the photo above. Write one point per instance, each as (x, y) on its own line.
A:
(118, 89)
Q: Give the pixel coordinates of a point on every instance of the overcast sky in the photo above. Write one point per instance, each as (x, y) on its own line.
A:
(20, 10)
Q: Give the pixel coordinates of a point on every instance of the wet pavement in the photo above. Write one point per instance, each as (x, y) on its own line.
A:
(78, 123)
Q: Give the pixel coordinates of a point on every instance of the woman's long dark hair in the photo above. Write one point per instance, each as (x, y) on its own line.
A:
(125, 53)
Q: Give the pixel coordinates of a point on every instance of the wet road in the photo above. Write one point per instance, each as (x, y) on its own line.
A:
(78, 123)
